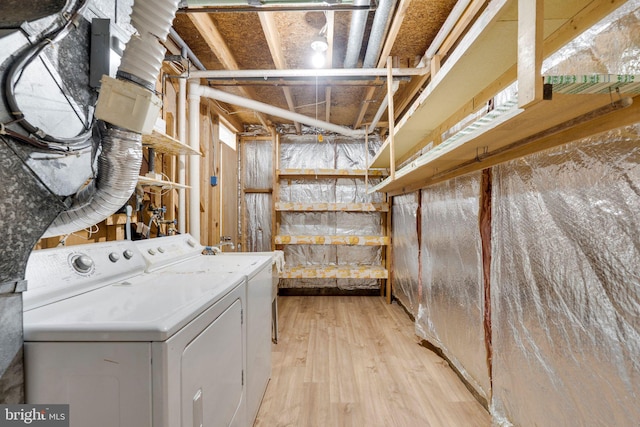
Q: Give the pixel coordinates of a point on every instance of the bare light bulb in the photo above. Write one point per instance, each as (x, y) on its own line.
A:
(317, 60)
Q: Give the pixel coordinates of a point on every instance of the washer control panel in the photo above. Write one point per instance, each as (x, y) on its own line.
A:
(62, 272)
(164, 251)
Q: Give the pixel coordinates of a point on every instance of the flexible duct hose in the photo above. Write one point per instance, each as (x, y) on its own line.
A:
(121, 156)
(143, 54)
(118, 167)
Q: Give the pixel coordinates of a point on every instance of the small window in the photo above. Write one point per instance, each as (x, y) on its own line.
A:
(227, 136)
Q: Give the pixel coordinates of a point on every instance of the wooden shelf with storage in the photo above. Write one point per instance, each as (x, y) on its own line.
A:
(331, 271)
(159, 183)
(166, 144)
(486, 60)
(331, 207)
(335, 272)
(350, 240)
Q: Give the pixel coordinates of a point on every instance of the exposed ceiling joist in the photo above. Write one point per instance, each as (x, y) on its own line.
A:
(218, 46)
(275, 47)
(331, 21)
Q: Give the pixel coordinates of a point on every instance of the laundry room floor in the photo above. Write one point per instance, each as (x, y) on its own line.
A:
(355, 361)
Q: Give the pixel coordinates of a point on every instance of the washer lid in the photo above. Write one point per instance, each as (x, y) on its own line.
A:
(150, 307)
(247, 263)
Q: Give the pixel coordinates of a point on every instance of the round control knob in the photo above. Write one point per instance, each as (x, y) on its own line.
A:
(113, 257)
(128, 254)
(151, 252)
(160, 249)
(82, 264)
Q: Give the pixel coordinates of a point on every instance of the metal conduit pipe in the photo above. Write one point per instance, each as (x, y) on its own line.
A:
(181, 43)
(444, 31)
(219, 95)
(381, 22)
(310, 73)
(121, 156)
(356, 33)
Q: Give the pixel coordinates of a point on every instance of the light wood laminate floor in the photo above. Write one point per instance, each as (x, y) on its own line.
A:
(355, 361)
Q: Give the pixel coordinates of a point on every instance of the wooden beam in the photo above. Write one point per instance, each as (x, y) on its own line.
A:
(465, 20)
(275, 47)
(392, 155)
(394, 29)
(530, 39)
(418, 82)
(218, 46)
(393, 32)
(330, 36)
(363, 108)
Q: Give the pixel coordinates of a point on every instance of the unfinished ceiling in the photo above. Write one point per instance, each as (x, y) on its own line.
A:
(271, 35)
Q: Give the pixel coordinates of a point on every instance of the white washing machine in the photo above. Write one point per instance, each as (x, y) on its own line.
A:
(166, 255)
(128, 348)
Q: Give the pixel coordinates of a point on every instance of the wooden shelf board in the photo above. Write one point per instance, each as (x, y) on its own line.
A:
(463, 155)
(329, 173)
(151, 182)
(335, 272)
(331, 207)
(257, 190)
(488, 50)
(166, 144)
(331, 240)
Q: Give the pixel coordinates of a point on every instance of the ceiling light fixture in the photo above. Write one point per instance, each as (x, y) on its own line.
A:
(319, 46)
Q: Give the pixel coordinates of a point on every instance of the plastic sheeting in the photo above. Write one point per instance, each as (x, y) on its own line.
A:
(333, 152)
(451, 312)
(405, 271)
(566, 285)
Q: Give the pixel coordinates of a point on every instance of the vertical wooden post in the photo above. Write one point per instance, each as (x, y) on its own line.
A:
(275, 190)
(243, 207)
(530, 38)
(366, 159)
(388, 250)
(435, 64)
(392, 154)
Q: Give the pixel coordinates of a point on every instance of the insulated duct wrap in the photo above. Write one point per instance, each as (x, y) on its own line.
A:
(334, 152)
(452, 303)
(610, 47)
(566, 285)
(405, 273)
(258, 235)
(118, 167)
(257, 164)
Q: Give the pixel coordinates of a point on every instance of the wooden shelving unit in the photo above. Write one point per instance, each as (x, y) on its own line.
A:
(166, 144)
(335, 272)
(159, 183)
(331, 271)
(328, 173)
(351, 240)
(331, 207)
(486, 60)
